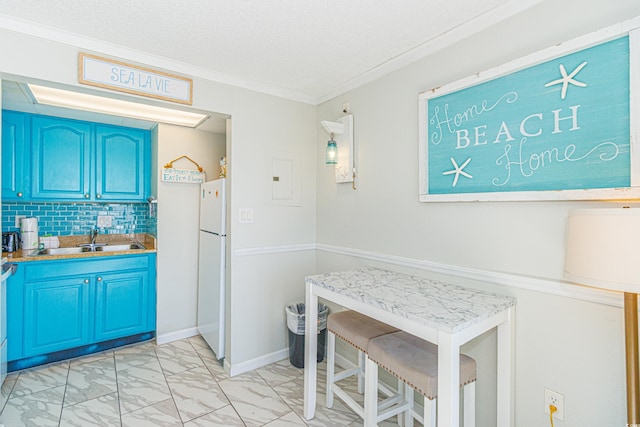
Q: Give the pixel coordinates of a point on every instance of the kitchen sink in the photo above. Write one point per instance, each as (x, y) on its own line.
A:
(88, 247)
(91, 246)
(62, 251)
(120, 247)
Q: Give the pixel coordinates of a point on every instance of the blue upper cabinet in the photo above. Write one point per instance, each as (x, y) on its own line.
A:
(50, 158)
(61, 155)
(122, 162)
(15, 156)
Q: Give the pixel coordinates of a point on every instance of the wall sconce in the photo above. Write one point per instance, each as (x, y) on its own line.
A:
(340, 149)
(331, 154)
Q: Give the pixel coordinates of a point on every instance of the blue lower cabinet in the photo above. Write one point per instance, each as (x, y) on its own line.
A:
(56, 315)
(122, 305)
(66, 308)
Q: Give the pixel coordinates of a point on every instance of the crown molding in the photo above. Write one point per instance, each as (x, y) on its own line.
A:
(155, 61)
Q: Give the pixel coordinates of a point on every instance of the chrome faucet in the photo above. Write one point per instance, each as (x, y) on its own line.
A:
(93, 234)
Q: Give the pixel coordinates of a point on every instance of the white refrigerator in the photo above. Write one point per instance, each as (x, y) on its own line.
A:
(211, 266)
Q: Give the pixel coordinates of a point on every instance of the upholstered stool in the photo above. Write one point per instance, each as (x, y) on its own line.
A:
(415, 361)
(357, 330)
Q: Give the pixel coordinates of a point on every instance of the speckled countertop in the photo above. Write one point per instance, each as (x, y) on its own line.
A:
(148, 241)
(443, 306)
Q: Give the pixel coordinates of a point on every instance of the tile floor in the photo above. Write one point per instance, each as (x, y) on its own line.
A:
(179, 384)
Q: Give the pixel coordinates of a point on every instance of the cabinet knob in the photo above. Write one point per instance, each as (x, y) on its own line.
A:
(86, 281)
(99, 196)
(20, 194)
(99, 279)
(86, 195)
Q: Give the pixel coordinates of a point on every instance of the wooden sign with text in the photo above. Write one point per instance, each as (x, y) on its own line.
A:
(116, 75)
(558, 129)
(182, 176)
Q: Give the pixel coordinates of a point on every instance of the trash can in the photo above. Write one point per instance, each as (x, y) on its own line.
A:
(296, 325)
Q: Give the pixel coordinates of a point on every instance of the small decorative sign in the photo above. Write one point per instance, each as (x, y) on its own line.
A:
(559, 129)
(116, 75)
(182, 176)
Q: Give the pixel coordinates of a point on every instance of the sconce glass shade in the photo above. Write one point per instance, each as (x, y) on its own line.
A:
(331, 153)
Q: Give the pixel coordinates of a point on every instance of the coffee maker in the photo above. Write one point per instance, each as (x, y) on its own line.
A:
(10, 241)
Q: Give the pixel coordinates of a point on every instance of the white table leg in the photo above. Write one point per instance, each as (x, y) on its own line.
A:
(506, 333)
(448, 381)
(370, 393)
(310, 351)
(331, 367)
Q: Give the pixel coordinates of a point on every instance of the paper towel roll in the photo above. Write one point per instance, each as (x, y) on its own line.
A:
(29, 233)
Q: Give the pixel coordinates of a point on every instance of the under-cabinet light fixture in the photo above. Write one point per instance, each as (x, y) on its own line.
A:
(97, 104)
(340, 148)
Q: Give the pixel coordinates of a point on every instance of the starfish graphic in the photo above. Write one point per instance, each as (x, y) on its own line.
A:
(457, 170)
(567, 79)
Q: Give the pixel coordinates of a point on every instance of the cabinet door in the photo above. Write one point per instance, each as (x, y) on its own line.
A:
(122, 305)
(15, 150)
(61, 152)
(56, 315)
(122, 163)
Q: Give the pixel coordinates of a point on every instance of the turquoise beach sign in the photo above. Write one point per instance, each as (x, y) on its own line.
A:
(559, 125)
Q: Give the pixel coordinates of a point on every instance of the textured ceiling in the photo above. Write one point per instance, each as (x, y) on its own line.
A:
(306, 50)
(309, 49)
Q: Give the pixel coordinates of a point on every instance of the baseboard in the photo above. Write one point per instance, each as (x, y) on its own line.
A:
(70, 353)
(277, 356)
(258, 362)
(177, 335)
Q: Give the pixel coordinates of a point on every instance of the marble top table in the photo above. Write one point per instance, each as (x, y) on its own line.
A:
(443, 313)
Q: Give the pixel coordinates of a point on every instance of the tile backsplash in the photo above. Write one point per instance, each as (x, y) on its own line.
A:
(67, 219)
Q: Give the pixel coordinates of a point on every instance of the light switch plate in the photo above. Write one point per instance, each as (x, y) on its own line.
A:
(246, 216)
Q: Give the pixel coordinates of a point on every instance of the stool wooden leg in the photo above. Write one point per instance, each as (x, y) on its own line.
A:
(430, 412)
(362, 358)
(331, 366)
(370, 393)
(469, 412)
(407, 415)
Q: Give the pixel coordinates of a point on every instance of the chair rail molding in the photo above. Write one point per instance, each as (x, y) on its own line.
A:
(549, 286)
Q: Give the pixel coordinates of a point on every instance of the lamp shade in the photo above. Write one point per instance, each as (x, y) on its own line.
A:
(603, 248)
(331, 153)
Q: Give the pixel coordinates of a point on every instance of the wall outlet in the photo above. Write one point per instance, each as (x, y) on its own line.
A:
(18, 218)
(104, 221)
(556, 399)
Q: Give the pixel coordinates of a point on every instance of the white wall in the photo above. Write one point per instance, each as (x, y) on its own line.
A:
(260, 124)
(258, 323)
(572, 346)
(569, 345)
(178, 220)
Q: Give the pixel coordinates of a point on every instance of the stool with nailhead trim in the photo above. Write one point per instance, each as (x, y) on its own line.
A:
(415, 362)
(356, 329)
